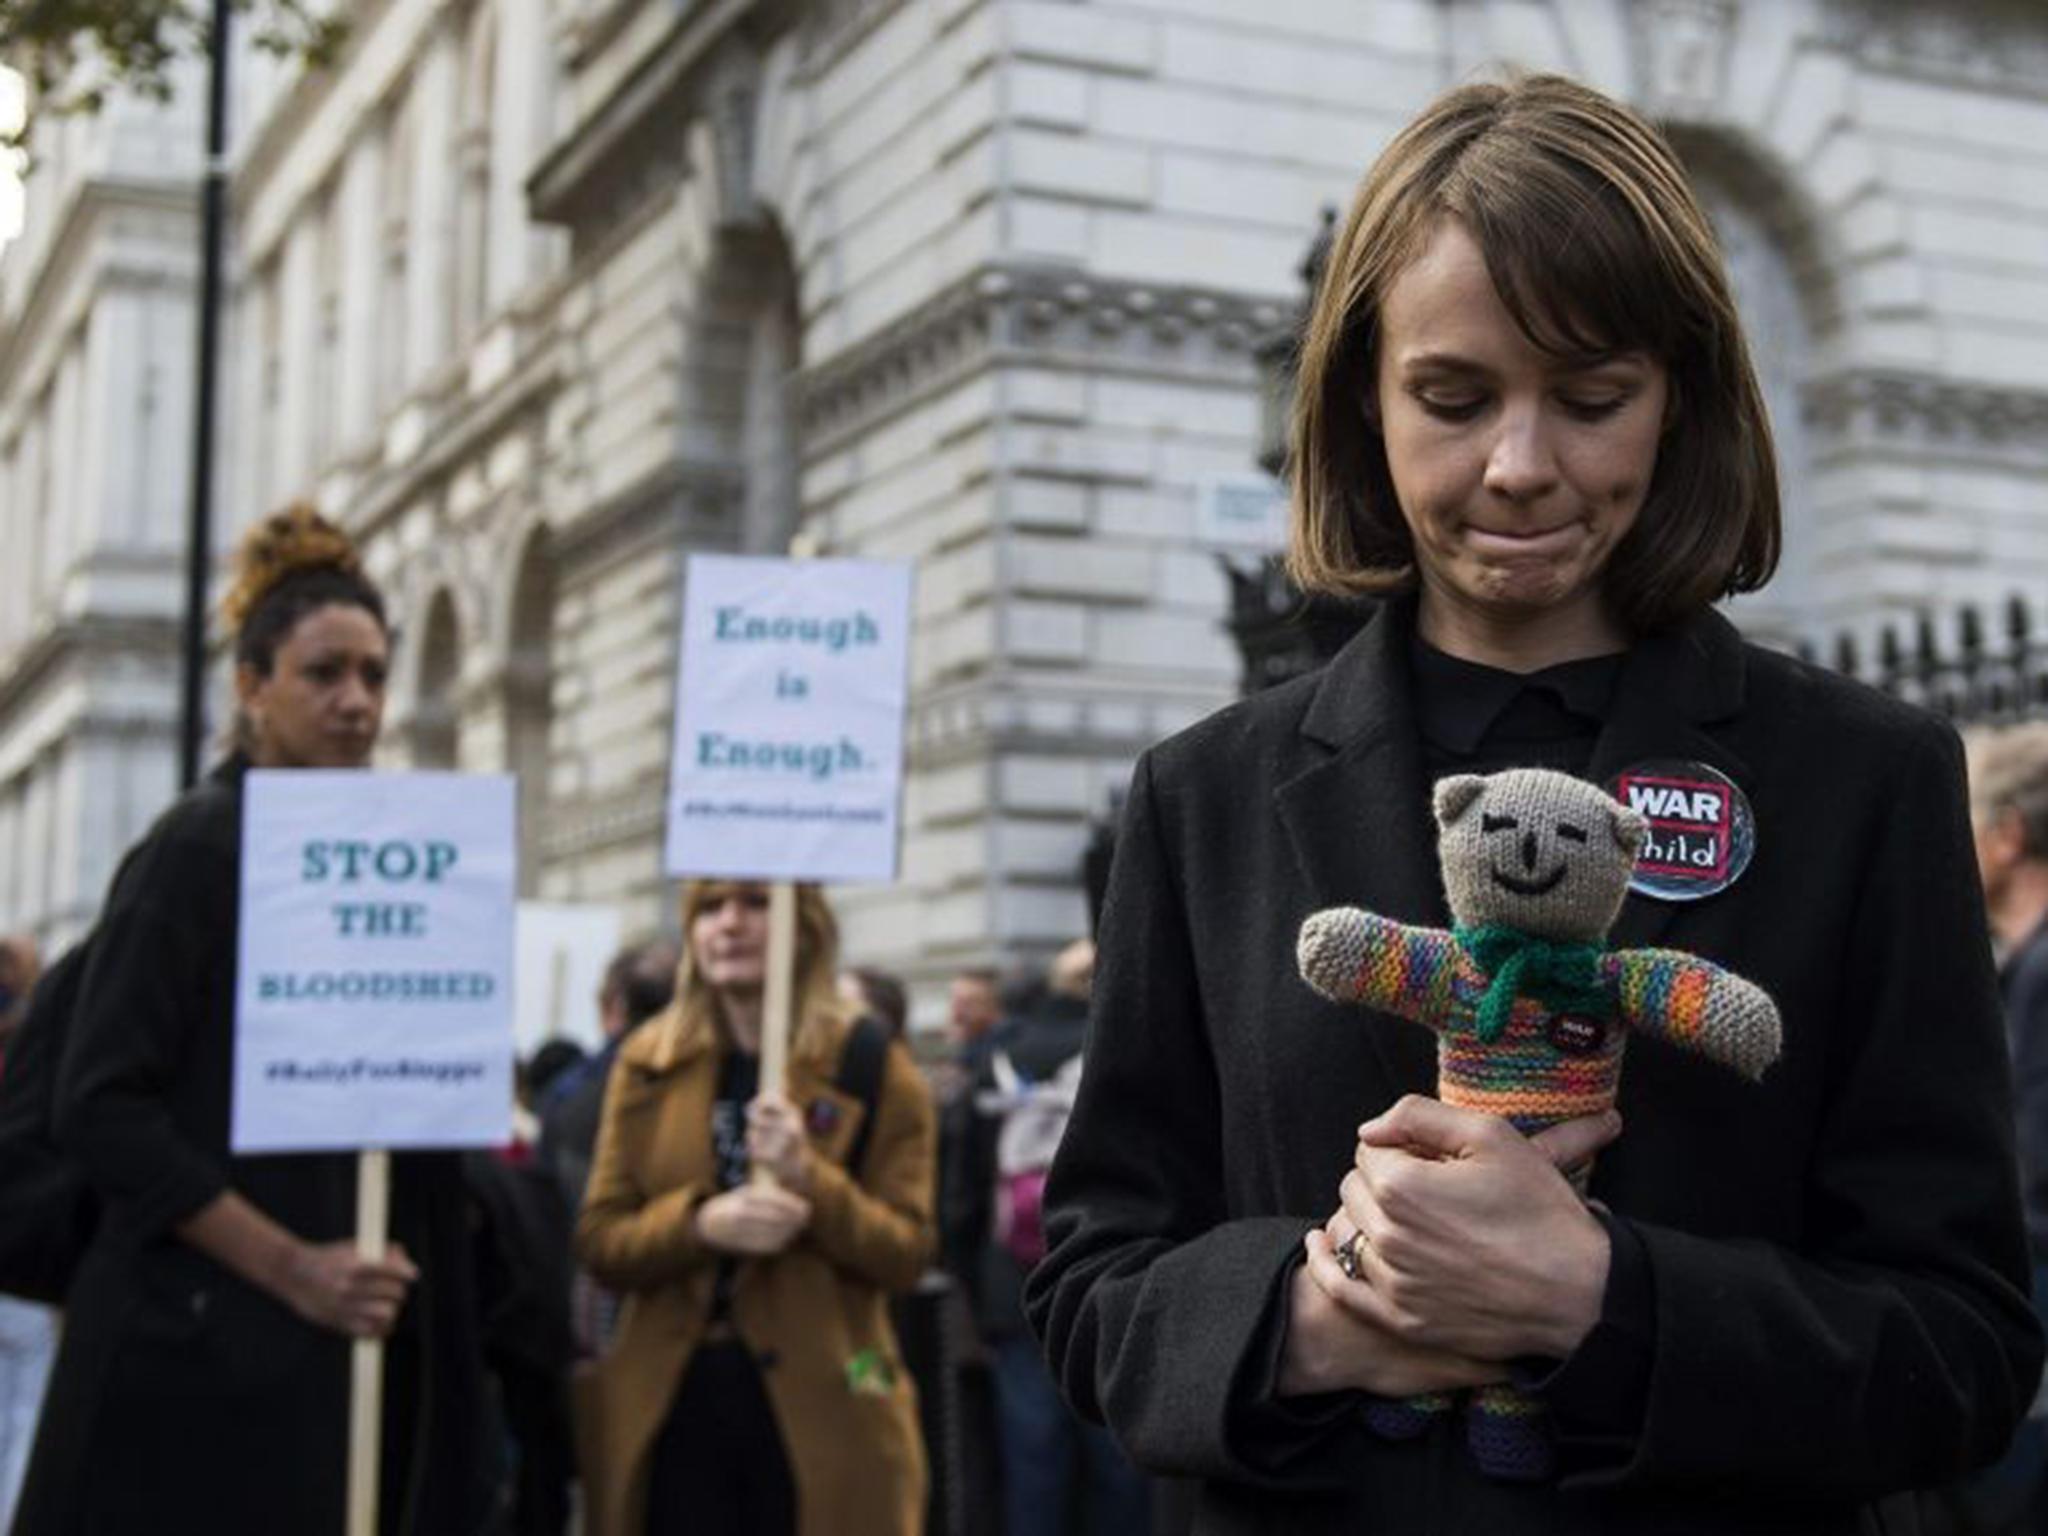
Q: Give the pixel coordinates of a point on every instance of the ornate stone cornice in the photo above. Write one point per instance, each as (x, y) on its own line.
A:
(603, 821)
(634, 139)
(989, 717)
(459, 427)
(698, 501)
(296, 107)
(837, 27)
(1984, 44)
(1040, 314)
(586, 32)
(71, 255)
(78, 641)
(1681, 49)
(1919, 410)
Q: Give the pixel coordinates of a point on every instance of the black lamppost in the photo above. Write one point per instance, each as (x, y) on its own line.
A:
(199, 546)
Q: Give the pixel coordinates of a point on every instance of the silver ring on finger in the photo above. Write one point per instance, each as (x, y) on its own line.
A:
(1351, 1255)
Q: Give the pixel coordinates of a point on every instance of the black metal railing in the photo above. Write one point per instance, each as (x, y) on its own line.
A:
(1956, 668)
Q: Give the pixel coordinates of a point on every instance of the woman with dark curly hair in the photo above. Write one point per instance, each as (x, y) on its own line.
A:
(203, 1378)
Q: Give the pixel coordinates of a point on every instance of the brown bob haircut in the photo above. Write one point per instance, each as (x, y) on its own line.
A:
(1597, 246)
(814, 998)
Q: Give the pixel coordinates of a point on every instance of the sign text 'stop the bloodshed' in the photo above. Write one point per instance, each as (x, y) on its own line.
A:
(373, 992)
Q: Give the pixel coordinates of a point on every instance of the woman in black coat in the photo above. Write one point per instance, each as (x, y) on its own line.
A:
(203, 1379)
(1791, 1303)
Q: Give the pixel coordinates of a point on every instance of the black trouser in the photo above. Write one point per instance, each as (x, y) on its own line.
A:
(719, 1466)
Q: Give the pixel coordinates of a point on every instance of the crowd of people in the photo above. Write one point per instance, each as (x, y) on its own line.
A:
(666, 1303)
(674, 1300)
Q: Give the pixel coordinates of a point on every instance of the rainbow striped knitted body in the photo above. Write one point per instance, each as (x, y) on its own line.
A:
(1535, 1073)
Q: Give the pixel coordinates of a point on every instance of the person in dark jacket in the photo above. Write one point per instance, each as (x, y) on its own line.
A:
(638, 983)
(28, 1334)
(874, 993)
(1525, 409)
(2009, 816)
(203, 1378)
(521, 1245)
(1059, 1473)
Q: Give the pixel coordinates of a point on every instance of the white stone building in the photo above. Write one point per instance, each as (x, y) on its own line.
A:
(539, 296)
(97, 327)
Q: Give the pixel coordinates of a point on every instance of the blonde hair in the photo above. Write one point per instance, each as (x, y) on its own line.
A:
(1596, 244)
(815, 998)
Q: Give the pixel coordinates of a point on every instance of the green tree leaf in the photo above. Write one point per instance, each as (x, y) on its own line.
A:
(73, 53)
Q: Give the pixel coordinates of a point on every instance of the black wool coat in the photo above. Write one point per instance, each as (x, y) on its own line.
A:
(182, 1397)
(1836, 1259)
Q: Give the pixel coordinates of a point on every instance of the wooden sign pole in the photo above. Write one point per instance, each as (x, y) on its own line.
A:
(558, 991)
(366, 1386)
(777, 1022)
(776, 1000)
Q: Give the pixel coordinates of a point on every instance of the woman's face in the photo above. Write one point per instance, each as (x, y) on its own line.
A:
(729, 938)
(1517, 473)
(323, 701)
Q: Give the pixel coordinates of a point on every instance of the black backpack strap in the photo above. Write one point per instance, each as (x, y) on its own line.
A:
(860, 1077)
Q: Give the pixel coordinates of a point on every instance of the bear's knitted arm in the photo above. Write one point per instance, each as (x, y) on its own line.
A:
(1696, 1004)
(1354, 956)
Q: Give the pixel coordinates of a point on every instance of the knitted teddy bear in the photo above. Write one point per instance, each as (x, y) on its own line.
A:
(1532, 1011)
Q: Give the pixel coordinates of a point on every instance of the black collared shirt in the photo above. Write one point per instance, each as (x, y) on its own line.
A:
(1479, 719)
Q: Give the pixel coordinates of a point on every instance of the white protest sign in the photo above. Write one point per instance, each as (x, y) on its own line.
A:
(1242, 512)
(562, 950)
(788, 757)
(373, 997)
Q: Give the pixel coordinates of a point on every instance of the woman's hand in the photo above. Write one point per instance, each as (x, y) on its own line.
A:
(1329, 1347)
(332, 1286)
(776, 1142)
(1473, 1241)
(755, 1220)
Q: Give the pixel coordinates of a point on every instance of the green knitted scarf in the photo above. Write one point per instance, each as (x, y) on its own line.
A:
(1565, 978)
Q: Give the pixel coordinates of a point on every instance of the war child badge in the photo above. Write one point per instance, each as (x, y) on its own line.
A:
(1702, 833)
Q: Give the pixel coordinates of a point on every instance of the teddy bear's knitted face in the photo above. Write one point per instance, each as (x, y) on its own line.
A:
(1535, 850)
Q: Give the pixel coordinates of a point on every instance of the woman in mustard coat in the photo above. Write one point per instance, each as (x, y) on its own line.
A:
(754, 1383)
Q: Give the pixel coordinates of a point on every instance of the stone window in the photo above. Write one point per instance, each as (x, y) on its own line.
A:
(270, 382)
(473, 177)
(529, 713)
(436, 716)
(400, 146)
(741, 352)
(327, 326)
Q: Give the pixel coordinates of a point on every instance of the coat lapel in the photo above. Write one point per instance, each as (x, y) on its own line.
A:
(832, 1117)
(1358, 820)
(664, 1100)
(1671, 687)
